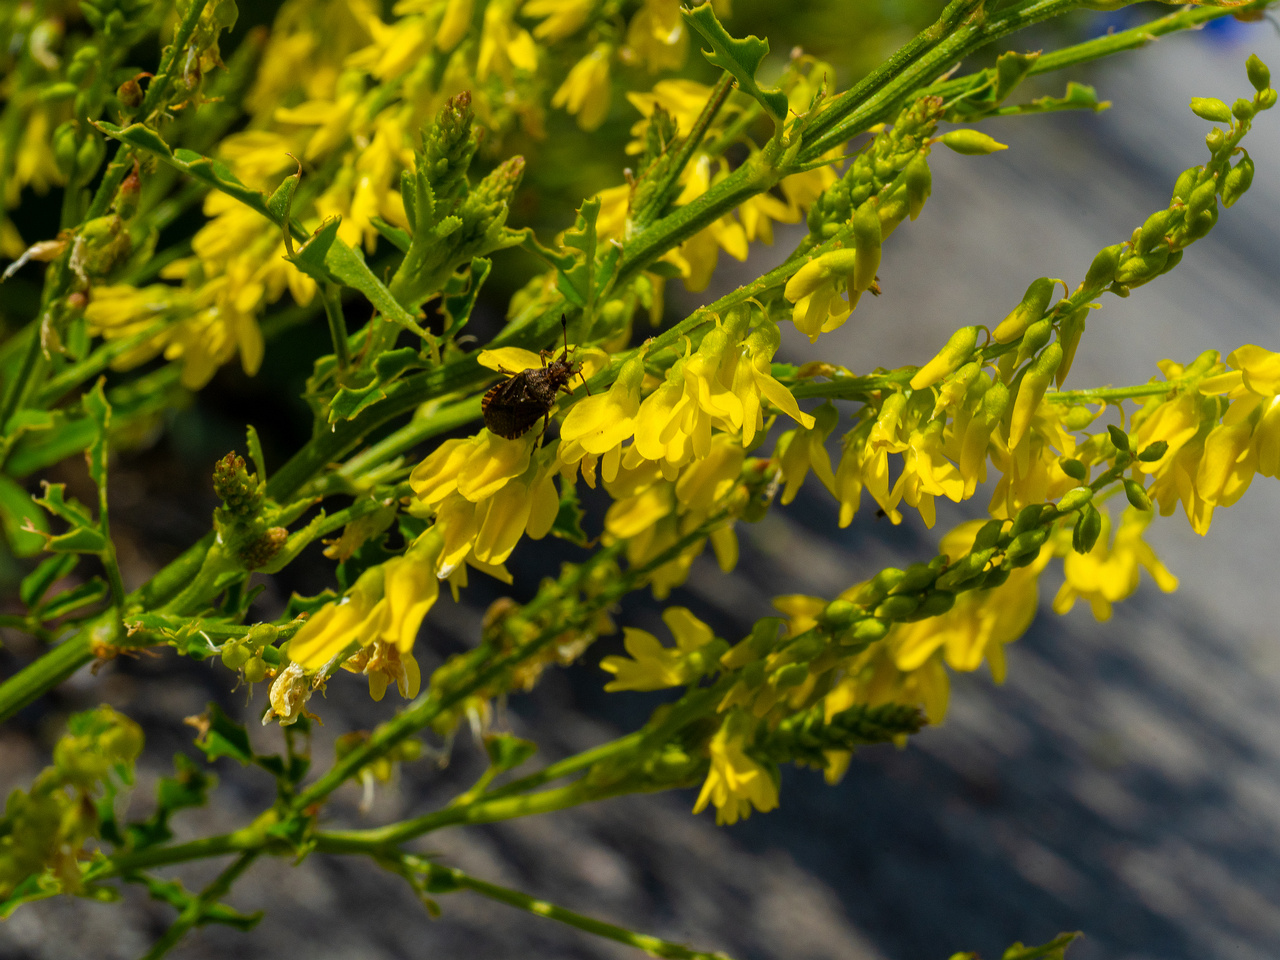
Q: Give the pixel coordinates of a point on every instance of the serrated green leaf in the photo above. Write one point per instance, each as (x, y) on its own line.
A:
(459, 297)
(310, 257)
(255, 452)
(99, 413)
(60, 505)
(577, 282)
(78, 540)
(19, 513)
(741, 58)
(1011, 69)
(224, 738)
(173, 893)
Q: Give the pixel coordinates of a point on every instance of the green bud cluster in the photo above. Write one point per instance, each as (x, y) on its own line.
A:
(805, 736)
(901, 150)
(240, 521)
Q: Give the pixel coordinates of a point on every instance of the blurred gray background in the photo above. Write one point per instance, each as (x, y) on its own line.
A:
(1125, 780)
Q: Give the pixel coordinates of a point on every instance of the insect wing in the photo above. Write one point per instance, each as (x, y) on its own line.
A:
(509, 409)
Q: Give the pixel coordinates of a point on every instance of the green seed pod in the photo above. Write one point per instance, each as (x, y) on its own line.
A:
(988, 536)
(1243, 109)
(935, 604)
(1237, 181)
(255, 671)
(1153, 451)
(261, 634)
(919, 182)
(1141, 268)
(1103, 269)
(1266, 99)
(1119, 439)
(964, 570)
(1136, 495)
(864, 632)
(88, 157)
(880, 585)
(1186, 182)
(1079, 417)
(1212, 109)
(971, 142)
(1074, 469)
(64, 147)
(792, 675)
(234, 655)
(1175, 258)
(805, 648)
(867, 239)
(1074, 499)
(1037, 336)
(1070, 330)
(994, 578)
(839, 614)
(898, 607)
(1026, 519)
(1153, 231)
(1034, 303)
(1257, 72)
(1087, 529)
(57, 91)
(949, 359)
(918, 576)
(1199, 226)
(1029, 541)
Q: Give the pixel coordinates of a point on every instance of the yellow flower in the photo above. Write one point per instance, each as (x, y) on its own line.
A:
(803, 449)
(387, 603)
(682, 99)
(454, 24)
(736, 783)
(504, 47)
(927, 473)
(561, 17)
(753, 378)
(657, 36)
(600, 424)
(384, 664)
(333, 120)
(655, 667)
(1109, 572)
(585, 91)
(819, 289)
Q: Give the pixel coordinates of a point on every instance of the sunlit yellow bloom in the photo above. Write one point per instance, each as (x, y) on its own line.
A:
(657, 36)
(803, 449)
(753, 379)
(848, 487)
(586, 90)
(258, 157)
(33, 165)
(655, 667)
(504, 47)
(388, 602)
(1109, 572)
(454, 24)
(823, 293)
(333, 120)
(927, 473)
(736, 783)
(395, 47)
(884, 438)
(872, 679)
(600, 424)
(682, 99)
(561, 17)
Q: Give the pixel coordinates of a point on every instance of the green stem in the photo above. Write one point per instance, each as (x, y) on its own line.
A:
(195, 910)
(337, 327)
(654, 946)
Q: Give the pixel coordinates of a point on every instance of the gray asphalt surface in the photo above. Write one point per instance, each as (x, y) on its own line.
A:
(1125, 781)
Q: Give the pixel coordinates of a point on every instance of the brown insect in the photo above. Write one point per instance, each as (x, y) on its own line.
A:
(513, 406)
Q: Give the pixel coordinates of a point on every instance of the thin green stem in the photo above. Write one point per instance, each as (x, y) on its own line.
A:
(447, 877)
(337, 326)
(195, 910)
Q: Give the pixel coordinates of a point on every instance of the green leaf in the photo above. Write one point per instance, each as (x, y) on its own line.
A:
(99, 413)
(281, 199)
(1055, 949)
(398, 238)
(507, 751)
(83, 595)
(459, 297)
(577, 282)
(1011, 70)
(741, 58)
(255, 452)
(224, 738)
(310, 257)
(568, 523)
(175, 895)
(37, 583)
(19, 516)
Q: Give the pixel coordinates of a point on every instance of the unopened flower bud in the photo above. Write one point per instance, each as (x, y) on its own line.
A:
(1074, 499)
(1212, 109)
(971, 142)
(1136, 495)
(1237, 181)
(1032, 308)
(255, 671)
(1257, 72)
(919, 183)
(950, 358)
(234, 654)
